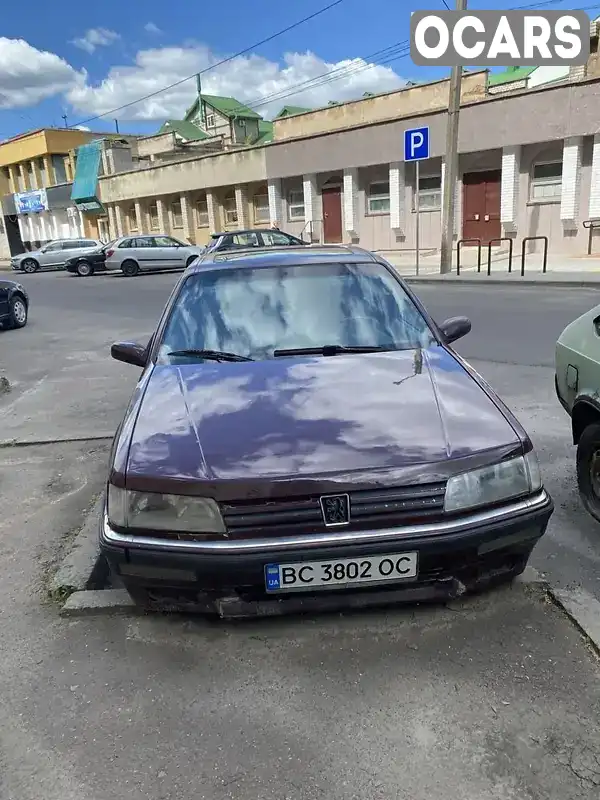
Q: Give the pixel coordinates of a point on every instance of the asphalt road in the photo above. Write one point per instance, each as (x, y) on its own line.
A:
(409, 703)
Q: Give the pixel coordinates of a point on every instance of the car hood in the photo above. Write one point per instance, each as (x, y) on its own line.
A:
(308, 417)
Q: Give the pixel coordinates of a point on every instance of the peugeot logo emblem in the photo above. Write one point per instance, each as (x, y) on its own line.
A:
(335, 509)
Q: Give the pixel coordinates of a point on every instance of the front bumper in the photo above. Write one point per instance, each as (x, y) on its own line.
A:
(472, 551)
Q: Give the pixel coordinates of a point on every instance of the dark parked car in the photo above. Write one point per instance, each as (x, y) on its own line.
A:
(258, 237)
(85, 265)
(300, 425)
(14, 304)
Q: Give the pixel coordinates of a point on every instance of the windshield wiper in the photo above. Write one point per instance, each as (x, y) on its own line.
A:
(213, 355)
(328, 350)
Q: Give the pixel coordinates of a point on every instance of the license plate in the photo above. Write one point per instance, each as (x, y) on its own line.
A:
(340, 573)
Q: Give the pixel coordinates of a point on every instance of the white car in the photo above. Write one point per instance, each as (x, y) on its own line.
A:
(53, 255)
(133, 254)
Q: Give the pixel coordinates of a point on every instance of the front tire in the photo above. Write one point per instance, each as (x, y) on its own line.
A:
(85, 269)
(18, 312)
(588, 469)
(30, 265)
(129, 268)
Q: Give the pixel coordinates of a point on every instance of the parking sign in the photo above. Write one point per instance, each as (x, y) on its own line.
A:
(416, 144)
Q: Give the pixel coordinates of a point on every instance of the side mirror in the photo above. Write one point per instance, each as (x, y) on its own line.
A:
(455, 328)
(129, 353)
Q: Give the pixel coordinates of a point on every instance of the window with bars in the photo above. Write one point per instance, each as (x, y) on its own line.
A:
(153, 212)
(230, 209)
(132, 219)
(378, 198)
(546, 181)
(202, 213)
(261, 206)
(430, 192)
(176, 214)
(296, 205)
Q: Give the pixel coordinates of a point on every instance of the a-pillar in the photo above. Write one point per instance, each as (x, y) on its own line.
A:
(241, 205)
(311, 216)
(509, 188)
(275, 203)
(350, 202)
(571, 182)
(187, 218)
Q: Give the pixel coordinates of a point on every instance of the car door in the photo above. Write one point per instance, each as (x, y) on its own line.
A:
(70, 248)
(51, 254)
(172, 253)
(3, 300)
(147, 253)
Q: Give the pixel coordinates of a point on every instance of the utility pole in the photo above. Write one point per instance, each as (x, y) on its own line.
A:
(64, 117)
(451, 170)
(116, 121)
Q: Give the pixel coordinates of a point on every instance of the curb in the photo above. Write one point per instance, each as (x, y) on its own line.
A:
(99, 601)
(583, 609)
(460, 281)
(82, 568)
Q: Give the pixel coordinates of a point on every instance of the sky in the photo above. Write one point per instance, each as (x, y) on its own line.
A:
(84, 61)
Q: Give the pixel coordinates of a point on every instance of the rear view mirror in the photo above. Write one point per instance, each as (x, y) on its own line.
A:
(455, 328)
(129, 353)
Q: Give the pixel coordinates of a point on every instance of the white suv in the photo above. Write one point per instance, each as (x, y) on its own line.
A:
(53, 255)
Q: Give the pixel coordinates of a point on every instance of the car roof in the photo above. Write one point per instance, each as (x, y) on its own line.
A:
(251, 230)
(284, 256)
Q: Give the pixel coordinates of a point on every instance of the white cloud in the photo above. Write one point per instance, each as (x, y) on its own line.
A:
(150, 27)
(248, 78)
(94, 38)
(29, 75)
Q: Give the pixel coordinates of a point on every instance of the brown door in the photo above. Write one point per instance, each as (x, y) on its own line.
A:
(481, 206)
(332, 214)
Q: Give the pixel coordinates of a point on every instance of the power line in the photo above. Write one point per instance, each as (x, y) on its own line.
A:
(219, 63)
(384, 56)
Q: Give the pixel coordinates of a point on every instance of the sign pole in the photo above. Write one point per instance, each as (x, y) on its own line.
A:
(416, 148)
(417, 215)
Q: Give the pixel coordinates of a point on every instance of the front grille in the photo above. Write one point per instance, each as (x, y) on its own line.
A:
(370, 508)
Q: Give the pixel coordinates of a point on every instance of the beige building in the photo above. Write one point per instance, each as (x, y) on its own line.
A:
(529, 165)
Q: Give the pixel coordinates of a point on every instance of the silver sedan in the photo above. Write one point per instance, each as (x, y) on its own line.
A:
(133, 254)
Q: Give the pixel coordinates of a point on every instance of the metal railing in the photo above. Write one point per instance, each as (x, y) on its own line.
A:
(510, 252)
(591, 225)
(533, 239)
(464, 241)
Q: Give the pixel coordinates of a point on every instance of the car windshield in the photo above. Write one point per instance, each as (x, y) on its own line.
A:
(253, 312)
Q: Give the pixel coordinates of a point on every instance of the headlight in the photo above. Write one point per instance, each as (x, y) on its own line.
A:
(163, 512)
(480, 487)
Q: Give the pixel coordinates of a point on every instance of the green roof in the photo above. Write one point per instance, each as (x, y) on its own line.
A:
(290, 111)
(509, 75)
(187, 130)
(265, 132)
(229, 106)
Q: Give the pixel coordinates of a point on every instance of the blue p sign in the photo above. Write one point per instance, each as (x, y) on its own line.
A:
(416, 144)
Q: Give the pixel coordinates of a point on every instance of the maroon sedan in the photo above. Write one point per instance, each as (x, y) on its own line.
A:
(302, 434)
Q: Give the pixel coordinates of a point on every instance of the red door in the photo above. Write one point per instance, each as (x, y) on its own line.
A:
(332, 214)
(481, 206)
